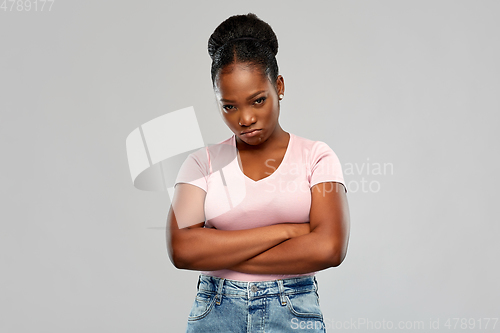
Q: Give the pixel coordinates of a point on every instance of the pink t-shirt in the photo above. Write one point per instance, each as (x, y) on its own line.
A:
(234, 201)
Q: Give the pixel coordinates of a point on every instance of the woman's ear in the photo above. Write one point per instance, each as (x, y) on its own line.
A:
(280, 85)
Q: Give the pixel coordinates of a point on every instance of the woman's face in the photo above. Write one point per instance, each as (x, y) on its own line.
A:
(248, 101)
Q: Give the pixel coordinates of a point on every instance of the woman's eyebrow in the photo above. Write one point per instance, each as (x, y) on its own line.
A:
(248, 98)
(253, 95)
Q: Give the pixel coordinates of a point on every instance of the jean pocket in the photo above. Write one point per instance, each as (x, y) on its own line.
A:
(202, 305)
(304, 305)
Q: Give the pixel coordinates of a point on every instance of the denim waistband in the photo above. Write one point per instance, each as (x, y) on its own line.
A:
(282, 287)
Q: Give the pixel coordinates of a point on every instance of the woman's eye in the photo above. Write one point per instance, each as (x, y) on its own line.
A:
(260, 100)
(228, 107)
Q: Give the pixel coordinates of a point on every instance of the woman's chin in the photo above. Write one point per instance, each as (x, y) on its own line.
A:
(252, 141)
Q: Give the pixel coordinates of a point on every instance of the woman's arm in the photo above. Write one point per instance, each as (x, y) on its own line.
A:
(190, 246)
(325, 246)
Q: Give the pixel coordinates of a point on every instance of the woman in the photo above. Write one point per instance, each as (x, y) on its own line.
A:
(261, 212)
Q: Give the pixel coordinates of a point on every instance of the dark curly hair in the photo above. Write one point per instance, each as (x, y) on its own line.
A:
(244, 39)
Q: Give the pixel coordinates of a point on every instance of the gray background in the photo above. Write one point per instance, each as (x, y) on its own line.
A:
(413, 84)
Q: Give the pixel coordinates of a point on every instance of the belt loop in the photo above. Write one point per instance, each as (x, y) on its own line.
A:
(316, 286)
(219, 291)
(198, 285)
(281, 291)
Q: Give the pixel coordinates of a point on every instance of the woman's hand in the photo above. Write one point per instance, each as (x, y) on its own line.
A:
(293, 229)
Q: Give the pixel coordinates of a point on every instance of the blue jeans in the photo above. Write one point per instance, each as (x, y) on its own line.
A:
(230, 306)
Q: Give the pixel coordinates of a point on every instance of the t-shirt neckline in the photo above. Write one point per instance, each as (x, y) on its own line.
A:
(285, 158)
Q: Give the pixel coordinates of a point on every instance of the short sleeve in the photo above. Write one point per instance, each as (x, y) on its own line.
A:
(325, 165)
(195, 170)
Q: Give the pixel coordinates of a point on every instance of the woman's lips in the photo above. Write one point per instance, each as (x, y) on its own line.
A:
(252, 133)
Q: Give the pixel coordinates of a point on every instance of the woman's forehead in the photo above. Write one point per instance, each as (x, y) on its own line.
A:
(241, 78)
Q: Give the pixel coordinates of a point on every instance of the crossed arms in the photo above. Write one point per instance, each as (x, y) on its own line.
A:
(283, 248)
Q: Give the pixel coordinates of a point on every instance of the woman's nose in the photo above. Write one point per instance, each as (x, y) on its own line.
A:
(247, 118)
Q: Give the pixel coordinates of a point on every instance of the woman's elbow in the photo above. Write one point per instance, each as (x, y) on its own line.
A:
(336, 256)
(177, 256)
(177, 260)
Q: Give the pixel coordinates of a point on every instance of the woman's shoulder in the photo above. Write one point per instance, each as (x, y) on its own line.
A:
(218, 155)
(301, 142)
(222, 147)
(214, 149)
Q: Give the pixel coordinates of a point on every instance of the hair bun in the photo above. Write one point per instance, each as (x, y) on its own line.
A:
(242, 28)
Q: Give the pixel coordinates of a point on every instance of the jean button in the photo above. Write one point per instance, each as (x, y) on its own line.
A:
(254, 288)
